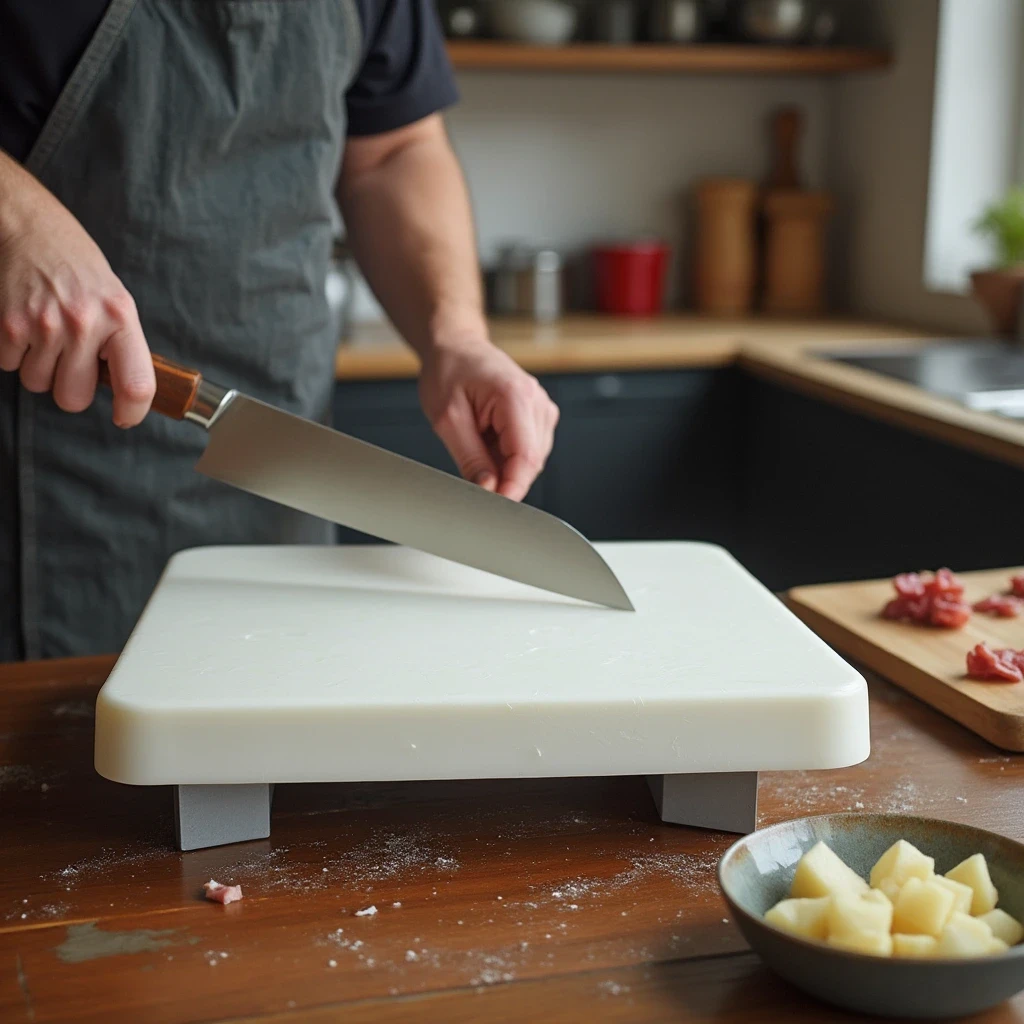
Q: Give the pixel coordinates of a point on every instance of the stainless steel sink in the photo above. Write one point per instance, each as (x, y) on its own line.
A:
(983, 375)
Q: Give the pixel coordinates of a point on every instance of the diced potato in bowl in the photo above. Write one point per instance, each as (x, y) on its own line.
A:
(903, 910)
(973, 873)
(963, 895)
(860, 923)
(806, 917)
(900, 862)
(1003, 926)
(821, 873)
(922, 908)
(857, 944)
(922, 946)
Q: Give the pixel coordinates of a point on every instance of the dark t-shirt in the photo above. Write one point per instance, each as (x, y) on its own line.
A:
(404, 76)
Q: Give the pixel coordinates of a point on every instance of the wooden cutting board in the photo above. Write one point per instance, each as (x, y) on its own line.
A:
(930, 663)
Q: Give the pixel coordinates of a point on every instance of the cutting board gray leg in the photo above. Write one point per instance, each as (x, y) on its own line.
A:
(722, 801)
(218, 815)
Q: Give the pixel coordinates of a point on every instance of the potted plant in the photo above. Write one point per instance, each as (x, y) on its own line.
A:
(1000, 289)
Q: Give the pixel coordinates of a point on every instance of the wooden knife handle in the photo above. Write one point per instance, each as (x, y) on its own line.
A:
(176, 387)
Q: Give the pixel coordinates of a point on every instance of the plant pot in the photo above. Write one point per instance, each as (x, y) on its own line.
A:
(1001, 293)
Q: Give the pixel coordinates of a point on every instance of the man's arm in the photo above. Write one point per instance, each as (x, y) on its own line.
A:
(409, 223)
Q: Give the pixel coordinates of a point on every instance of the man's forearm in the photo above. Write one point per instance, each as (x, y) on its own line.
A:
(20, 192)
(409, 223)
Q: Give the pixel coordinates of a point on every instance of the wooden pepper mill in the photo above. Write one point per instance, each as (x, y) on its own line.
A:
(794, 220)
(726, 249)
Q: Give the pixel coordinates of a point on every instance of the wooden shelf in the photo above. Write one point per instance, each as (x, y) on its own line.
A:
(480, 55)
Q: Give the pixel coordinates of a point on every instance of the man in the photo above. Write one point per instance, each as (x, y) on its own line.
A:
(168, 172)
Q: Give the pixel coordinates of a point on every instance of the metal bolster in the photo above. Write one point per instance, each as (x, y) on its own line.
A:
(209, 403)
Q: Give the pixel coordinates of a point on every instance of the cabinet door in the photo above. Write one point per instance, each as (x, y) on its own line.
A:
(388, 414)
(833, 495)
(642, 456)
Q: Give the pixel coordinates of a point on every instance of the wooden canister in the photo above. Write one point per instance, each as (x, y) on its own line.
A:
(725, 257)
(794, 257)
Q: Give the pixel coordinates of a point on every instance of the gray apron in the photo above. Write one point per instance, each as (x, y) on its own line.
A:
(198, 142)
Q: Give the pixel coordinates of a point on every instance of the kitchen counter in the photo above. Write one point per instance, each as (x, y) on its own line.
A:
(778, 350)
(554, 900)
(592, 344)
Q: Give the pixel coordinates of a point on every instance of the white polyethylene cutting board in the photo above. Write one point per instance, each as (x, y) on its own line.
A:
(347, 664)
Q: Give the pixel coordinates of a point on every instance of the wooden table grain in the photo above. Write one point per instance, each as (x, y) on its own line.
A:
(554, 900)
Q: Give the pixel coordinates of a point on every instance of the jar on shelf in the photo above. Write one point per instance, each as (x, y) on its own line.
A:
(794, 258)
(725, 253)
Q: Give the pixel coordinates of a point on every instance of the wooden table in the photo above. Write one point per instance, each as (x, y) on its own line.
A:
(563, 900)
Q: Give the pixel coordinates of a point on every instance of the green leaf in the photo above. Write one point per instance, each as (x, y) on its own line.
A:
(1003, 224)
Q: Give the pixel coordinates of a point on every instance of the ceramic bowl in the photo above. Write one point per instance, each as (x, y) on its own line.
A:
(540, 22)
(756, 873)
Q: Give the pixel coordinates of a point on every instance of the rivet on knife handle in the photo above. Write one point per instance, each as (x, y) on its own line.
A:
(181, 393)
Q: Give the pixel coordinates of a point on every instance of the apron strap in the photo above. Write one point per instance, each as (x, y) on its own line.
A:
(80, 84)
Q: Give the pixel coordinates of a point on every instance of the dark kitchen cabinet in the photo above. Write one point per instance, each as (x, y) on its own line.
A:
(645, 456)
(831, 495)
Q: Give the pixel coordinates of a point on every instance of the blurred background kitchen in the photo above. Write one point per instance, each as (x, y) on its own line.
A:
(765, 254)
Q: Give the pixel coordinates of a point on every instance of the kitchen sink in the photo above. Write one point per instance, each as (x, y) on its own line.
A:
(983, 375)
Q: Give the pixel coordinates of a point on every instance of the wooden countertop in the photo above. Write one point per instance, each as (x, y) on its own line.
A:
(777, 350)
(583, 344)
(550, 900)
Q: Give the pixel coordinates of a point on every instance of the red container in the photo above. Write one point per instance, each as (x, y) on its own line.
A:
(630, 278)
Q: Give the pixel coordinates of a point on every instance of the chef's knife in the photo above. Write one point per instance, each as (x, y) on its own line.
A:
(323, 472)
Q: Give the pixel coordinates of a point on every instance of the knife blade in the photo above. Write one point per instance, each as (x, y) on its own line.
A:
(323, 472)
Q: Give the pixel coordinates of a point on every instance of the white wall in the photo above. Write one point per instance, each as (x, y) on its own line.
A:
(567, 159)
(878, 164)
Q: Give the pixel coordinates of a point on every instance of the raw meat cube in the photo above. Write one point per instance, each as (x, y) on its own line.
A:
(807, 918)
(934, 601)
(1003, 665)
(974, 872)
(923, 908)
(909, 584)
(821, 873)
(1003, 606)
(945, 581)
(949, 612)
(1003, 926)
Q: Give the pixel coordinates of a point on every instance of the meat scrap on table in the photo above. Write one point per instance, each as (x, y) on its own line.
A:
(222, 893)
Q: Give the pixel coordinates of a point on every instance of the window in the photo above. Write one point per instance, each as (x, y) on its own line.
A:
(977, 131)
